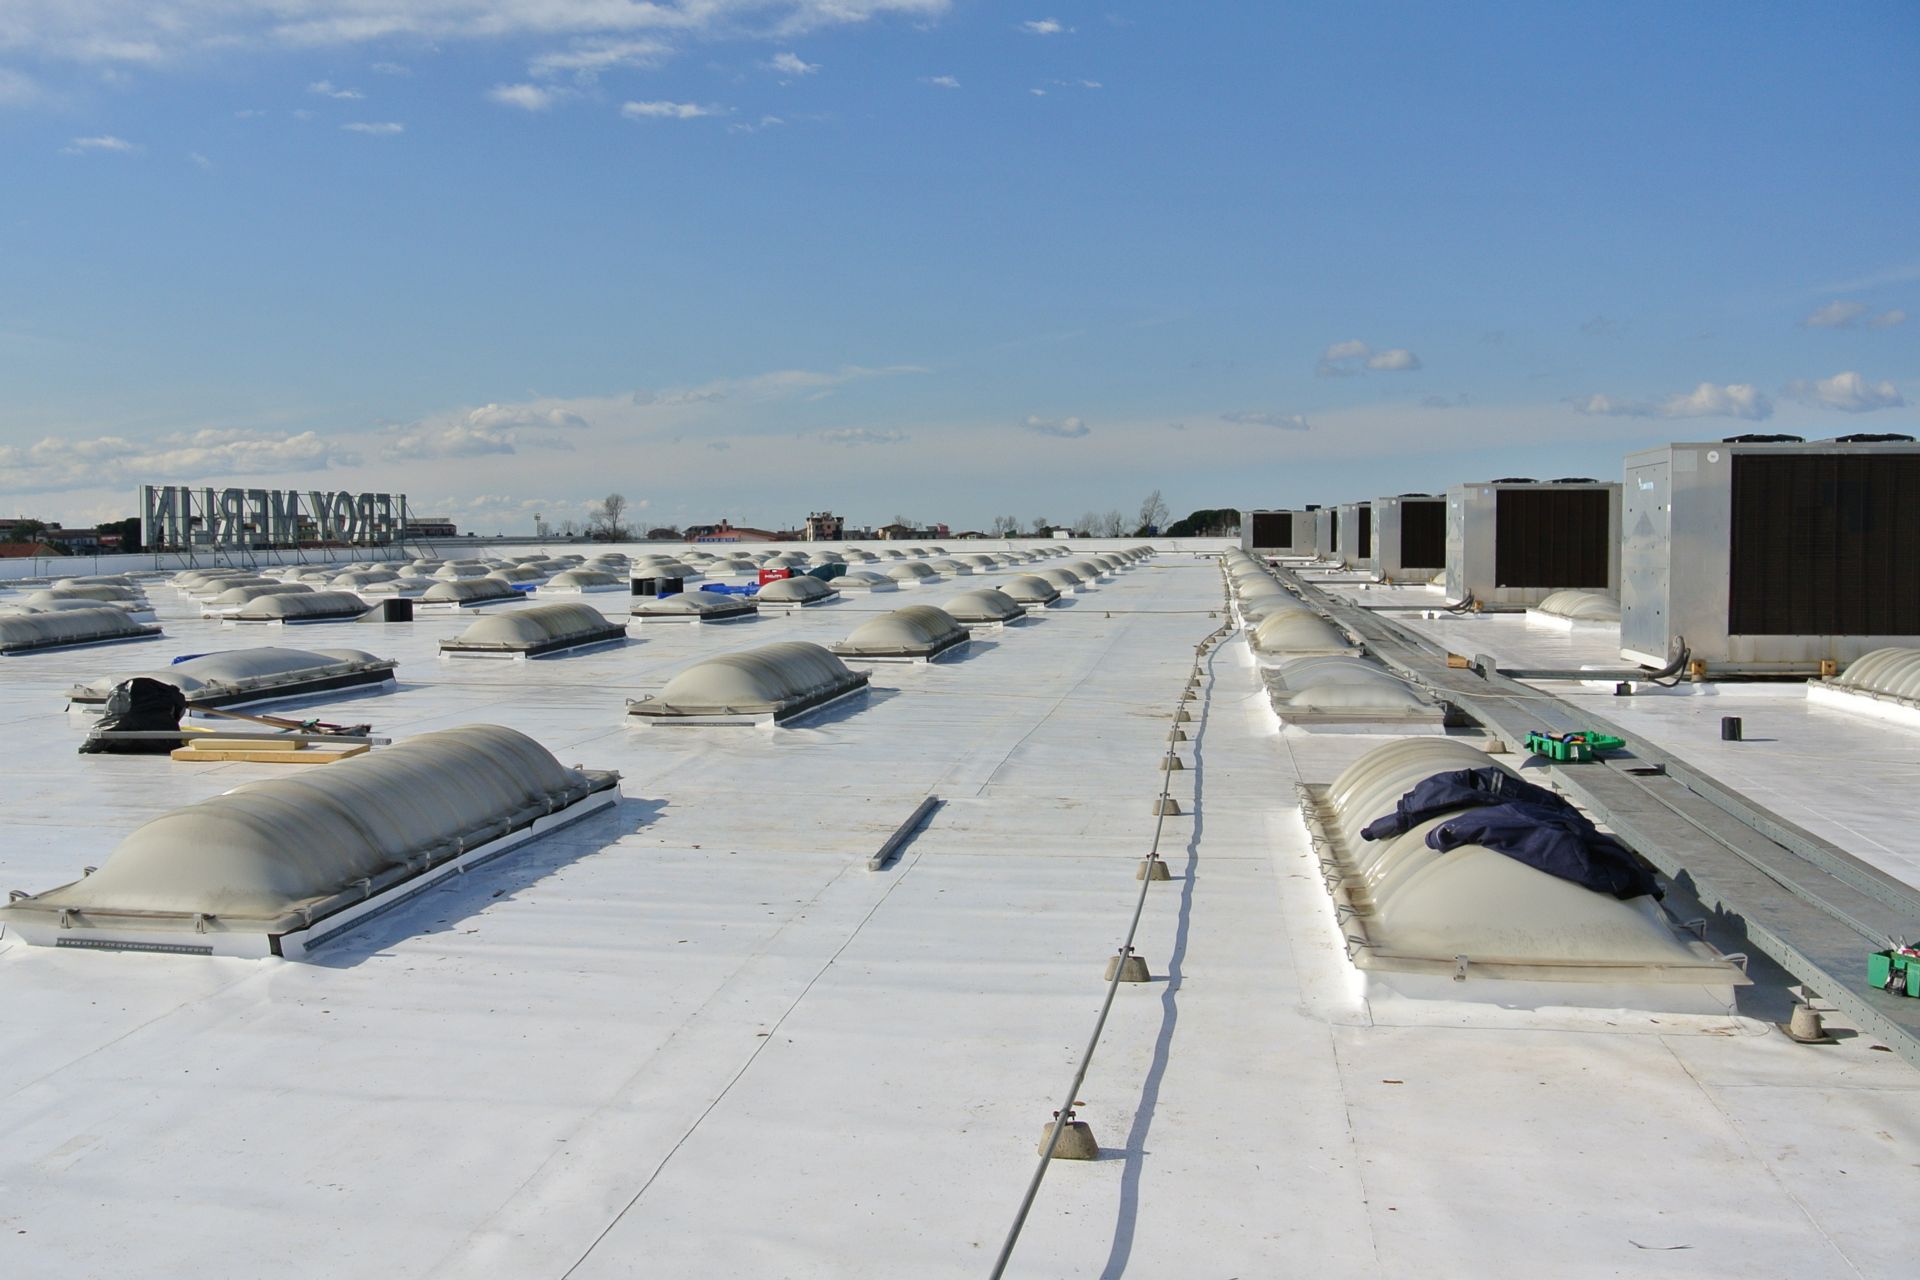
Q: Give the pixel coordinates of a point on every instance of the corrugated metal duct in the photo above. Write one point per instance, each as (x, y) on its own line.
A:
(65, 628)
(272, 867)
(535, 632)
(767, 685)
(242, 676)
(917, 633)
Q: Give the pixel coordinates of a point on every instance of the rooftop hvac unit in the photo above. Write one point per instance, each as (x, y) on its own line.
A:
(1354, 535)
(1326, 532)
(1409, 537)
(1771, 553)
(1277, 533)
(1519, 541)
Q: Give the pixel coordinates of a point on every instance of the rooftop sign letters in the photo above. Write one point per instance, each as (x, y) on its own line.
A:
(176, 516)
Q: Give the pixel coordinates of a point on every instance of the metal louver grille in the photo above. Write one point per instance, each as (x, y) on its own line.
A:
(1551, 538)
(1824, 545)
(1366, 532)
(1423, 534)
(1273, 529)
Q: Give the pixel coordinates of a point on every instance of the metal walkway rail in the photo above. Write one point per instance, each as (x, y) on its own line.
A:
(1811, 905)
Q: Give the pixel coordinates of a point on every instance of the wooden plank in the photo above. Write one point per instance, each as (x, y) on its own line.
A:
(253, 754)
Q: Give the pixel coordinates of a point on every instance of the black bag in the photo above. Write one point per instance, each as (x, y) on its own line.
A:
(139, 704)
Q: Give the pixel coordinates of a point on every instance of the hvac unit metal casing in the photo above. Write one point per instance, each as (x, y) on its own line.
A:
(1409, 537)
(1771, 555)
(1354, 536)
(1518, 542)
(1277, 532)
(1326, 531)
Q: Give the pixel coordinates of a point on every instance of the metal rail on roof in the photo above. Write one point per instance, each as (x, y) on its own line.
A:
(1815, 908)
(1064, 1116)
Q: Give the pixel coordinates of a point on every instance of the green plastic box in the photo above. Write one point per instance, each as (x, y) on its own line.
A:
(1895, 972)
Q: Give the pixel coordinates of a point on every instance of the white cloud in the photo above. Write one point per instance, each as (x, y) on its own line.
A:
(391, 69)
(528, 97)
(1268, 418)
(862, 435)
(1393, 360)
(1707, 400)
(1712, 400)
(143, 32)
(1888, 319)
(791, 64)
(328, 89)
(1343, 359)
(1043, 27)
(60, 464)
(102, 142)
(17, 89)
(666, 111)
(941, 82)
(1606, 406)
(198, 161)
(1038, 93)
(379, 129)
(1846, 391)
(588, 59)
(1067, 428)
(491, 428)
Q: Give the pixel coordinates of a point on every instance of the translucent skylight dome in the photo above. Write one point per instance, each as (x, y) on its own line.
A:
(312, 606)
(1029, 589)
(983, 606)
(240, 676)
(918, 632)
(268, 861)
(532, 632)
(795, 592)
(58, 629)
(1298, 632)
(764, 685)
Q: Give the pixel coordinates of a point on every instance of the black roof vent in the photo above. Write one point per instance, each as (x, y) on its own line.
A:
(1874, 437)
(1514, 480)
(1313, 506)
(1574, 480)
(1416, 495)
(1763, 439)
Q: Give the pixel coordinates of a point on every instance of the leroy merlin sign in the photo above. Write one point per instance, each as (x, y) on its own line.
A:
(178, 516)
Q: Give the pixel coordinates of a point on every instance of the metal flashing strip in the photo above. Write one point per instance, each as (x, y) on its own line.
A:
(1811, 905)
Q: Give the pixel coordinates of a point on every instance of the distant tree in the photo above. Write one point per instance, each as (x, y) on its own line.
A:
(1087, 526)
(27, 531)
(129, 531)
(1153, 514)
(1005, 526)
(569, 528)
(1113, 524)
(604, 519)
(1215, 522)
(1041, 524)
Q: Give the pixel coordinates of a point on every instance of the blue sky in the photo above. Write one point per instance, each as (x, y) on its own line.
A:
(937, 258)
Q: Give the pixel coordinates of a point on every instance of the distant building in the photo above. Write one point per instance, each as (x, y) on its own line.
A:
(728, 532)
(824, 526)
(431, 527)
(73, 542)
(27, 550)
(896, 532)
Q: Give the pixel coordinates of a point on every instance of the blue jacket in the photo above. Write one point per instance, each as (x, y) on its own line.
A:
(1555, 838)
(1449, 792)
